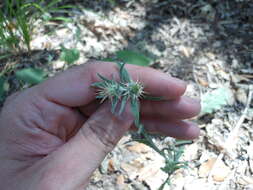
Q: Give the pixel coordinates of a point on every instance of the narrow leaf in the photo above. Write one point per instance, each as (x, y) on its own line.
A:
(103, 78)
(123, 104)
(114, 104)
(124, 75)
(66, 20)
(135, 107)
(98, 84)
(153, 98)
(140, 129)
(3, 87)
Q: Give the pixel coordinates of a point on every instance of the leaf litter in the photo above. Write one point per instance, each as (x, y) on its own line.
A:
(208, 44)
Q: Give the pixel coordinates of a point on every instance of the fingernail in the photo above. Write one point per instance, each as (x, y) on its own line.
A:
(195, 100)
(180, 82)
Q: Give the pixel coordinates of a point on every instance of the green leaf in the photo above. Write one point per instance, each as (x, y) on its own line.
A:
(123, 104)
(134, 58)
(166, 182)
(182, 142)
(63, 19)
(124, 75)
(4, 86)
(31, 76)
(114, 103)
(153, 98)
(98, 84)
(215, 100)
(69, 56)
(104, 79)
(135, 107)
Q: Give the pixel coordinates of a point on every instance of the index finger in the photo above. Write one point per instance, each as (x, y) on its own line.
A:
(72, 87)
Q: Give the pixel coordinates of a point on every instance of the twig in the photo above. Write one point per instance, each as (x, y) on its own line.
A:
(196, 80)
(233, 134)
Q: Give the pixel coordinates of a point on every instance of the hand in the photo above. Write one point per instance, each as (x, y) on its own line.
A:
(54, 135)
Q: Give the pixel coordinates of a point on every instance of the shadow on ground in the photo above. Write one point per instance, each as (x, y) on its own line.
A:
(229, 25)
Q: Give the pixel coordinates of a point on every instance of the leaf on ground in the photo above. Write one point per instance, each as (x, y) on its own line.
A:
(108, 59)
(213, 101)
(133, 58)
(4, 86)
(31, 76)
(69, 56)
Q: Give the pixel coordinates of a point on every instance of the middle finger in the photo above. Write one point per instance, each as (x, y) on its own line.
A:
(181, 108)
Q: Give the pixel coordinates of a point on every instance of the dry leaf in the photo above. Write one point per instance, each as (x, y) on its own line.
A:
(206, 167)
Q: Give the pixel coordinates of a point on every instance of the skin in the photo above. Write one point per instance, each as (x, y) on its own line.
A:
(54, 135)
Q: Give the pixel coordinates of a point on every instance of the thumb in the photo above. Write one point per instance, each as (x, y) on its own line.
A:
(75, 162)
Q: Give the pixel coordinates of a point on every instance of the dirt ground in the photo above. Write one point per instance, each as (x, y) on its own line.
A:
(207, 43)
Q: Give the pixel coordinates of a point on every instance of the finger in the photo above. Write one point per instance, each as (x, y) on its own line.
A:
(87, 149)
(72, 87)
(181, 108)
(177, 129)
(157, 121)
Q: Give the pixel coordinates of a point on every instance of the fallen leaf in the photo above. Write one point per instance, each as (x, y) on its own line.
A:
(139, 148)
(31, 76)
(221, 171)
(206, 167)
(213, 101)
(134, 58)
(120, 180)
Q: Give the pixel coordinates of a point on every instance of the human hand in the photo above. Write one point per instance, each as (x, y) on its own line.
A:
(54, 135)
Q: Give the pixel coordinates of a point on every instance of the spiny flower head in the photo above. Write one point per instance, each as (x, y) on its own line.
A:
(135, 89)
(109, 90)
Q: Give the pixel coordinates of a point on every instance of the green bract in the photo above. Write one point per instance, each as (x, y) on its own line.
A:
(126, 90)
(120, 92)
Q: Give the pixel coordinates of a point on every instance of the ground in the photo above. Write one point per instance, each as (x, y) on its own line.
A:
(209, 44)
